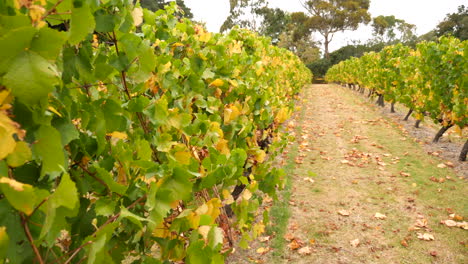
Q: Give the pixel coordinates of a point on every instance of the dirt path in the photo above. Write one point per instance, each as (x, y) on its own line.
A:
(362, 191)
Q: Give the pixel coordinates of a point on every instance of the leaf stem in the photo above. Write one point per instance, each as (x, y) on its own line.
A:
(24, 223)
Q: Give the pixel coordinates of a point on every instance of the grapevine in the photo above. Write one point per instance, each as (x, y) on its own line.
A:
(125, 132)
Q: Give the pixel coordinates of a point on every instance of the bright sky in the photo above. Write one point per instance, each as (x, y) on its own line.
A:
(425, 14)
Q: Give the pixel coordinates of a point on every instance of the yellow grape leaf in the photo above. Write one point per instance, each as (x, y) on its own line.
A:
(137, 15)
(216, 127)
(282, 115)
(194, 220)
(258, 229)
(235, 48)
(217, 83)
(118, 135)
(7, 129)
(230, 114)
(204, 230)
(228, 199)
(162, 230)
(234, 83)
(164, 68)
(177, 44)
(183, 157)
(204, 36)
(36, 12)
(260, 156)
(222, 146)
(246, 195)
(53, 110)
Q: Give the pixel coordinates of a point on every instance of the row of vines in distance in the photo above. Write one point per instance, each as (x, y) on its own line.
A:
(431, 80)
(129, 134)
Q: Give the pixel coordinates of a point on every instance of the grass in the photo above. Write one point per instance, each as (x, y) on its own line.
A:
(280, 211)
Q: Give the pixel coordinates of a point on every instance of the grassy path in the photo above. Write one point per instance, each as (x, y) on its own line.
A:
(352, 165)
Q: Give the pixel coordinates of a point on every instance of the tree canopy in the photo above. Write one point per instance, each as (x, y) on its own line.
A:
(391, 29)
(330, 16)
(455, 24)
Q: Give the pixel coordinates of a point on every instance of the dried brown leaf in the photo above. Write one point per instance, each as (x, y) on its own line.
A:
(343, 212)
(425, 236)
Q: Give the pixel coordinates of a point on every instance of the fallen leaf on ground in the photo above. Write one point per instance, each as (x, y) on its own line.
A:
(425, 236)
(449, 164)
(433, 253)
(263, 250)
(305, 251)
(355, 242)
(294, 244)
(289, 236)
(441, 165)
(404, 243)
(343, 212)
(380, 216)
(405, 174)
(264, 238)
(309, 180)
(456, 217)
(449, 223)
(421, 223)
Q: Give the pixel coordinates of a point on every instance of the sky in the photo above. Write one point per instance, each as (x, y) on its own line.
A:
(425, 14)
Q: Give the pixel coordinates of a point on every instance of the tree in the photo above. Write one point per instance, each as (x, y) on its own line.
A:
(243, 13)
(154, 5)
(297, 38)
(455, 24)
(275, 22)
(331, 16)
(390, 29)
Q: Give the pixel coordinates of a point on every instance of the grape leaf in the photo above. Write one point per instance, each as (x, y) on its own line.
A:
(81, 24)
(49, 150)
(20, 155)
(30, 77)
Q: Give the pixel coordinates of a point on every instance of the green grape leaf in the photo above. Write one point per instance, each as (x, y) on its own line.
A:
(64, 202)
(13, 43)
(48, 43)
(30, 77)
(105, 207)
(17, 251)
(97, 252)
(81, 24)
(20, 155)
(67, 130)
(23, 197)
(110, 182)
(104, 22)
(48, 149)
(137, 220)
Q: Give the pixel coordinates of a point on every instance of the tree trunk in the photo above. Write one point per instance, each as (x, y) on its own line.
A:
(441, 133)
(380, 100)
(327, 54)
(392, 108)
(416, 125)
(408, 115)
(464, 152)
(370, 93)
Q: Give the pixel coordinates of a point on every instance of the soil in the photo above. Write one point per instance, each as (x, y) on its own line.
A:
(368, 188)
